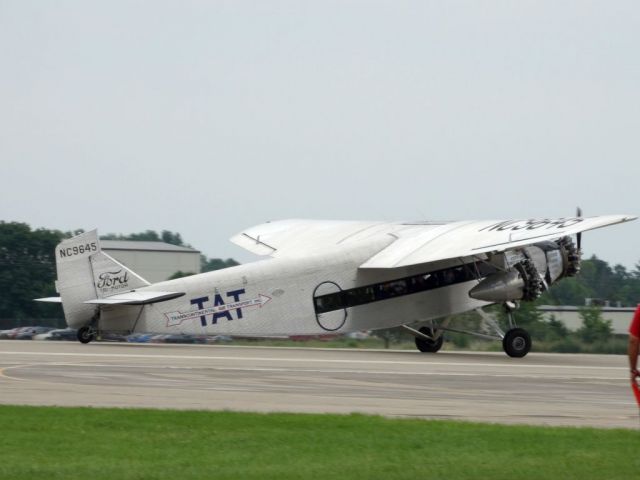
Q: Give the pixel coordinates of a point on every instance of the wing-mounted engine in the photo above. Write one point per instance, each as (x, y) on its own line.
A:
(571, 256)
(524, 273)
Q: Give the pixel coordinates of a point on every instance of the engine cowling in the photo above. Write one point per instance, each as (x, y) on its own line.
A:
(524, 273)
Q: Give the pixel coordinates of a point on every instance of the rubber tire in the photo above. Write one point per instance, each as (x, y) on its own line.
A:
(85, 335)
(426, 346)
(516, 342)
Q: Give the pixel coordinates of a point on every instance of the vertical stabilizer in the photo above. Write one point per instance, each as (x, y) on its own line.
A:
(75, 278)
(87, 273)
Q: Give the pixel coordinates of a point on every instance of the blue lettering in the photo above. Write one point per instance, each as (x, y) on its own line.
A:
(200, 302)
(236, 298)
(217, 302)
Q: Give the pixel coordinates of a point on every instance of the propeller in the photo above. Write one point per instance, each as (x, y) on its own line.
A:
(579, 234)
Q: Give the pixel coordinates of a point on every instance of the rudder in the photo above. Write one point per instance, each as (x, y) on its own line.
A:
(85, 272)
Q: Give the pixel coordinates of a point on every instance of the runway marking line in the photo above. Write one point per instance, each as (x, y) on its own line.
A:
(3, 373)
(306, 370)
(306, 360)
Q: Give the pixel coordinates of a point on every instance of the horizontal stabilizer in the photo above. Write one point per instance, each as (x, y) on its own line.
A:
(136, 298)
(49, 299)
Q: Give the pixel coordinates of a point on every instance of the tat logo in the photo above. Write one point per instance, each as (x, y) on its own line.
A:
(113, 280)
(219, 309)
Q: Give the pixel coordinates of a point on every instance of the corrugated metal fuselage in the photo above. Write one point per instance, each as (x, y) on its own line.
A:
(276, 297)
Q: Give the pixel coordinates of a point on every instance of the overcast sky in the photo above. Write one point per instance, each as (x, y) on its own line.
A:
(208, 117)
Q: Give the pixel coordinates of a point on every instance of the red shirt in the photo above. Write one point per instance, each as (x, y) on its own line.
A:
(634, 328)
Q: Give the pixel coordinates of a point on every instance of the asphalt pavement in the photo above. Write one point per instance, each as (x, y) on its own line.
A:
(540, 389)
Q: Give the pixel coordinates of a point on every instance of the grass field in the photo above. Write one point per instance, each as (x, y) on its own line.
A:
(92, 444)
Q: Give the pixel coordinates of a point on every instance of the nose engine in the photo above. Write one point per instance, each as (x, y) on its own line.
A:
(524, 273)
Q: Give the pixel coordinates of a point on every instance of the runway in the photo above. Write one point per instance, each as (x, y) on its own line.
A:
(541, 389)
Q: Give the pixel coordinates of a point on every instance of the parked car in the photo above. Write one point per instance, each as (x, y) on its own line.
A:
(219, 339)
(23, 332)
(179, 338)
(27, 333)
(139, 337)
(5, 334)
(159, 338)
(112, 337)
(358, 335)
(58, 334)
(64, 334)
(11, 333)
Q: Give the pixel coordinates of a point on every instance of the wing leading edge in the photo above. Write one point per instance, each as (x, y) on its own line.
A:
(464, 239)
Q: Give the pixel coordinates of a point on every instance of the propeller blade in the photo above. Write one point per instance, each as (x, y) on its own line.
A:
(579, 234)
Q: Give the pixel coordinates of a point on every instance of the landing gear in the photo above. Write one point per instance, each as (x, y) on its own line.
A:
(86, 334)
(429, 346)
(516, 342)
(89, 332)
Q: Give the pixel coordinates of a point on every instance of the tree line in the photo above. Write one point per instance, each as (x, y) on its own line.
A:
(597, 280)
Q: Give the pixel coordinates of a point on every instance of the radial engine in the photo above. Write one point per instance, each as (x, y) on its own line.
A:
(524, 273)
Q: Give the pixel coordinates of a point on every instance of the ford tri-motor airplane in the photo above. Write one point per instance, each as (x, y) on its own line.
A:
(333, 277)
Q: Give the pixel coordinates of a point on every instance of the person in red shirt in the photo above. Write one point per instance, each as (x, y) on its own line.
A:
(634, 343)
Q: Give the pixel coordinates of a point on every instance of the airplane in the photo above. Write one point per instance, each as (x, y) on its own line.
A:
(334, 277)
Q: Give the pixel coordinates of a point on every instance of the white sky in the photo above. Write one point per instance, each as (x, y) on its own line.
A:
(208, 117)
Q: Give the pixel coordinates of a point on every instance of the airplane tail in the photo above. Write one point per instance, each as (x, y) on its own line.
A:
(86, 273)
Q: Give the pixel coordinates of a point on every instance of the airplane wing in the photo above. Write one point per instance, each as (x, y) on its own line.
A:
(464, 239)
(136, 298)
(412, 243)
(300, 237)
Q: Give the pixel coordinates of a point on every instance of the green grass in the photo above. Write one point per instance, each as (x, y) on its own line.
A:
(83, 443)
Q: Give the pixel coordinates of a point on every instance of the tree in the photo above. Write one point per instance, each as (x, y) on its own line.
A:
(557, 328)
(27, 271)
(172, 238)
(211, 264)
(594, 327)
(596, 280)
(148, 236)
(180, 274)
(568, 291)
(636, 271)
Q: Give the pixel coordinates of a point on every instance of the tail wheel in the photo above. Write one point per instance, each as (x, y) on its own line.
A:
(429, 346)
(86, 334)
(516, 343)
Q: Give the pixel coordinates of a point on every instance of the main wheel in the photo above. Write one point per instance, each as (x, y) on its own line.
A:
(516, 343)
(86, 334)
(429, 346)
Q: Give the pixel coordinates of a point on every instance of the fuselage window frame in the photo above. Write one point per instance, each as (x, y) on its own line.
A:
(401, 287)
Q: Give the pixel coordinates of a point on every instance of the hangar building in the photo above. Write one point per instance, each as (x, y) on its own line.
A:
(153, 261)
(569, 315)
